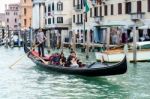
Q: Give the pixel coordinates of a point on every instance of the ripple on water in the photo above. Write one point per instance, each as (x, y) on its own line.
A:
(27, 81)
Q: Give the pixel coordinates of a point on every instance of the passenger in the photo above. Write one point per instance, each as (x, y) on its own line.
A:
(74, 63)
(72, 54)
(62, 59)
(56, 59)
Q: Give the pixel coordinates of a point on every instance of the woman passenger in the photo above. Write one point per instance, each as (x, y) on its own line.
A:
(62, 59)
(74, 63)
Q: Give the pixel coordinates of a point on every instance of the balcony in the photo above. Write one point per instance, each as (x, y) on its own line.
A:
(93, 2)
(98, 19)
(137, 16)
(79, 23)
(78, 7)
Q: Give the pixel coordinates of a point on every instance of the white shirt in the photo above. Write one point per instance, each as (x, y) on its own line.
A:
(40, 37)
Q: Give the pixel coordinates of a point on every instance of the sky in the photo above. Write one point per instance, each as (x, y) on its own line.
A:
(3, 2)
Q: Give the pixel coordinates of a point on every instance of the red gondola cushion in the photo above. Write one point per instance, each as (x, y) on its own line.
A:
(36, 54)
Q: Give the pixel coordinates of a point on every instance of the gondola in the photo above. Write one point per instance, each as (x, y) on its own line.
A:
(95, 69)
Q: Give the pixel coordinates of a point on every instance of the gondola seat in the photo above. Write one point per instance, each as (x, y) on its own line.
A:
(36, 54)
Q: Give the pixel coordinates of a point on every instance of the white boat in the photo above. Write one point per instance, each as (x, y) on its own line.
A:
(143, 53)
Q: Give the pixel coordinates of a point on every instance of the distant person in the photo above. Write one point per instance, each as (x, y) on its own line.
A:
(40, 38)
(114, 38)
(131, 37)
(124, 37)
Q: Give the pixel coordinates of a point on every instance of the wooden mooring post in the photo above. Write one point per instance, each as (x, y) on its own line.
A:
(134, 45)
(48, 41)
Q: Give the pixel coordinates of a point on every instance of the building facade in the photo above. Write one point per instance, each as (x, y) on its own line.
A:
(12, 13)
(25, 14)
(117, 15)
(38, 14)
(54, 17)
(107, 21)
(58, 18)
(2, 19)
(2, 26)
(124, 14)
(81, 22)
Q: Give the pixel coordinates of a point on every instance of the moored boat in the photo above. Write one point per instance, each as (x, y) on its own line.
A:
(143, 53)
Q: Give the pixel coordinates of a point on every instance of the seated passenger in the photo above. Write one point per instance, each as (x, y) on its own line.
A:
(72, 54)
(55, 59)
(74, 63)
(62, 59)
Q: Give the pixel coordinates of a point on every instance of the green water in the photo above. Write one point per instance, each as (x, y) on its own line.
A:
(27, 81)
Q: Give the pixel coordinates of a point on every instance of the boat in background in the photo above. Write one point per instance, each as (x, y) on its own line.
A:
(143, 53)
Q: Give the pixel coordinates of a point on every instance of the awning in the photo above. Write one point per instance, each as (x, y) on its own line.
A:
(116, 23)
(113, 23)
(146, 24)
(146, 21)
(144, 27)
(140, 43)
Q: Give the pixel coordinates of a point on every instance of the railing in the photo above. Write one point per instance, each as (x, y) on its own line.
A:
(79, 23)
(78, 7)
(93, 2)
(98, 19)
(136, 16)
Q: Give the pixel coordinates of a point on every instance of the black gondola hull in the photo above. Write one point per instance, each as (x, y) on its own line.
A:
(116, 69)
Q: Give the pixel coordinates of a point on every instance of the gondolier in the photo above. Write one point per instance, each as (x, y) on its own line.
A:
(40, 38)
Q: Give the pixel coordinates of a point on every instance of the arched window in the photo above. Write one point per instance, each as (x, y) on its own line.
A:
(53, 6)
(49, 8)
(59, 6)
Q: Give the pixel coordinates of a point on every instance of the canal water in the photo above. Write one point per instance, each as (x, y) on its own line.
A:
(28, 81)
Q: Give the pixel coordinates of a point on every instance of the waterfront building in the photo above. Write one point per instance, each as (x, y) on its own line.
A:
(78, 21)
(26, 14)
(107, 21)
(38, 14)
(2, 19)
(58, 18)
(123, 12)
(2, 26)
(54, 17)
(12, 13)
(117, 15)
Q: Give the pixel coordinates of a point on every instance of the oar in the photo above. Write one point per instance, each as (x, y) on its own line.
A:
(17, 61)
(24, 55)
(45, 62)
